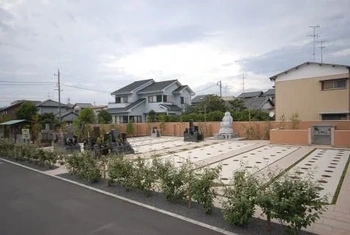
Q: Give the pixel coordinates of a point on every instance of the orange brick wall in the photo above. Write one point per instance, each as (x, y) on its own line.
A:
(342, 138)
(294, 137)
(261, 130)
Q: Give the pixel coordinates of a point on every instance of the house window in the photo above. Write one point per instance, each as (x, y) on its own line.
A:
(125, 99)
(155, 99)
(182, 100)
(121, 99)
(335, 116)
(334, 84)
(165, 98)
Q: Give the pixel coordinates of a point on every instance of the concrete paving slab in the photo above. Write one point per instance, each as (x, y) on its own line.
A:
(253, 160)
(205, 152)
(326, 167)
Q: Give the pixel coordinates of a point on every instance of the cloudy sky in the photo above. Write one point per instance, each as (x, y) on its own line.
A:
(100, 46)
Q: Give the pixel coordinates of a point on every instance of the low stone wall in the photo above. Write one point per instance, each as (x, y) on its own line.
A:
(293, 137)
(342, 138)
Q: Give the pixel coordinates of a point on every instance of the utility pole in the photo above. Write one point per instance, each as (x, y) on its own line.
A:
(321, 48)
(59, 94)
(220, 85)
(243, 77)
(314, 36)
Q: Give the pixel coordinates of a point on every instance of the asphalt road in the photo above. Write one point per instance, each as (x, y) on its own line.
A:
(33, 203)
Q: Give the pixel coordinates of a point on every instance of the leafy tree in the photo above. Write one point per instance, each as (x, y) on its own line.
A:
(211, 103)
(82, 123)
(236, 105)
(152, 116)
(26, 110)
(104, 117)
(48, 118)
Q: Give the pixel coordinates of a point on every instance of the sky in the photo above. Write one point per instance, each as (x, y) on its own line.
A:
(101, 46)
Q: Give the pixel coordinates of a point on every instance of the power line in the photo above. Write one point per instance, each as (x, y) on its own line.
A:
(207, 88)
(86, 89)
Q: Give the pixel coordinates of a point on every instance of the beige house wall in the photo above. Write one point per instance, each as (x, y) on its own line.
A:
(306, 97)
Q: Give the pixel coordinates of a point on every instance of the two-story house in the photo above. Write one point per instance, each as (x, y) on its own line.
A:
(134, 101)
(316, 91)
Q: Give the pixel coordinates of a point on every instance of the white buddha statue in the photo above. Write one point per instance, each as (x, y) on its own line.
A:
(226, 124)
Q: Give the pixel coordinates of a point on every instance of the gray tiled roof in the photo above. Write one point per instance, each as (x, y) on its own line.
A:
(172, 107)
(50, 103)
(256, 103)
(129, 88)
(269, 92)
(250, 94)
(157, 86)
(83, 105)
(199, 98)
(180, 88)
(125, 109)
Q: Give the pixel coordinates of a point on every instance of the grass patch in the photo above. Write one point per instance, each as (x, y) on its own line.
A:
(340, 184)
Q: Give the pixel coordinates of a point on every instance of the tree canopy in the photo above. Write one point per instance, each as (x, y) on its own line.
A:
(26, 111)
(211, 103)
(104, 117)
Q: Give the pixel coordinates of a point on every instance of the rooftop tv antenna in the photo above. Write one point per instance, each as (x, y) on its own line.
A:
(314, 37)
(321, 49)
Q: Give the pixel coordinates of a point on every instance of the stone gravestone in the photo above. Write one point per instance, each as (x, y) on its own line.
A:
(226, 130)
(155, 132)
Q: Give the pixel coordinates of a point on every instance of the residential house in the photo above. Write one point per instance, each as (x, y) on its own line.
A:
(315, 91)
(258, 100)
(134, 101)
(10, 111)
(270, 93)
(51, 106)
(261, 103)
(77, 107)
(252, 94)
(198, 98)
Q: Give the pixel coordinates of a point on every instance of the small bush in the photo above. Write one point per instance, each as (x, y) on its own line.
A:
(174, 181)
(120, 171)
(85, 166)
(294, 202)
(201, 187)
(239, 208)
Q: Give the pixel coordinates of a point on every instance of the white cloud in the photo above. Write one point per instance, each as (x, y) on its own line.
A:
(191, 63)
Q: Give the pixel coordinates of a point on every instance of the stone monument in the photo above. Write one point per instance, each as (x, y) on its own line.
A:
(226, 131)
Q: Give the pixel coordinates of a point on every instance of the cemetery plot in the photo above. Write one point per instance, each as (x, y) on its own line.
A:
(252, 161)
(326, 166)
(160, 146)
(205, 152)
(140, 141)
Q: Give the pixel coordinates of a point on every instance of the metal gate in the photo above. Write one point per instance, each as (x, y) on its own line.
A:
(322, 134)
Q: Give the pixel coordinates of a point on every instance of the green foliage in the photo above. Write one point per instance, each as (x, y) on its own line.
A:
(29, 153)
(236, 105)
(84, 165)
(104, 117)
(130, 128)
(26, 110)
(138, 174)
(201, 187)
(174, 181)
(48, 118)
(239, 208)
(211, 103)
(293, 201)
(83, 121)
(215, 116)
(152, 116)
